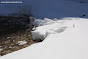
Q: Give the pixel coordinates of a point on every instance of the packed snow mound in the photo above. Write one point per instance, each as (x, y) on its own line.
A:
(40, 22)
(48, 26)
(72, 43)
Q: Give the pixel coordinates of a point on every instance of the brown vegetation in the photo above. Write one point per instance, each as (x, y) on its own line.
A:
(14, 28)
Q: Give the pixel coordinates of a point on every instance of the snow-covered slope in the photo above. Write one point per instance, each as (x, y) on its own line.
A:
(72, 43)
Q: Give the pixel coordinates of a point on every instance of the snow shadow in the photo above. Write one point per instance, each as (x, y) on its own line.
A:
(61, 29)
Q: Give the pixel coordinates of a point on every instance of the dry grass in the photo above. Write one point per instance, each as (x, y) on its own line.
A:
(14, 28)
(9, 43)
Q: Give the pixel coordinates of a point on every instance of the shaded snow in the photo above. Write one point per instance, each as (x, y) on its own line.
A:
(48, 26)
(48, 8)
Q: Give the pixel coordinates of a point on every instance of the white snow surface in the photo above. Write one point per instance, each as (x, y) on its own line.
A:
(48, 26)
(22, 42)
(71, 43)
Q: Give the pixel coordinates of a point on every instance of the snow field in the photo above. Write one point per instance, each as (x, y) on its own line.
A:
(72, 43)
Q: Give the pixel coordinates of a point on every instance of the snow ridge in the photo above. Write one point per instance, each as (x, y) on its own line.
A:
(48, 26)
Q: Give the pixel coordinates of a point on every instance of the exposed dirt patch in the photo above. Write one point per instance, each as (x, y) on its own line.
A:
(9, 43)
(15, 28)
